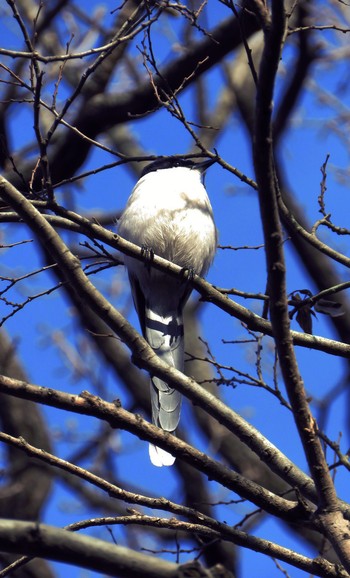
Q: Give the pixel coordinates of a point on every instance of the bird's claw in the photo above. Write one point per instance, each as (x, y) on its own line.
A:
(188, 274)
(148, 255)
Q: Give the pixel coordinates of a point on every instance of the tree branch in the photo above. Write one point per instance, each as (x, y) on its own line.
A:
(50, 542)
(268, 195)
(76, 223)
(117, 417)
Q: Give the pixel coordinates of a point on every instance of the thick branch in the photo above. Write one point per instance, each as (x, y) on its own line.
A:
(268, 194)
(82, 551)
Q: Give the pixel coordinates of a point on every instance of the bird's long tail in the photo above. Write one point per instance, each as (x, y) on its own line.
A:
(166, 337)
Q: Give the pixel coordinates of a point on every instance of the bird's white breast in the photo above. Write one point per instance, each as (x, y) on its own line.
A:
(169, 212)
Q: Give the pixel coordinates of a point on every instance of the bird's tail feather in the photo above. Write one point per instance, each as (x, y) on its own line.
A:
(165, 336)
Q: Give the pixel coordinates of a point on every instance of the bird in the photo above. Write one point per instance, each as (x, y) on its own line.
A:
(168, 214)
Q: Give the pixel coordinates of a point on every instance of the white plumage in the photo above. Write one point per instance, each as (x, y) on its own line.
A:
(168, 212)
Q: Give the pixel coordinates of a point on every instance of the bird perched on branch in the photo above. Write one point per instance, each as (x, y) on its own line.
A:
(169, 214)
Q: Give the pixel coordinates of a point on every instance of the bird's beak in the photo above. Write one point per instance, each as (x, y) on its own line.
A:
(204, 165)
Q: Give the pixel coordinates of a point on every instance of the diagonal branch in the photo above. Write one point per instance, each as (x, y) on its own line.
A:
(79, 224)
(117, 417)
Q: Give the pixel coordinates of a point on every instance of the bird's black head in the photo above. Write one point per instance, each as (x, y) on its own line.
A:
(171, 162)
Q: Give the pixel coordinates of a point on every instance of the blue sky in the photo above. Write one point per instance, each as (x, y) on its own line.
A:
(304, 150)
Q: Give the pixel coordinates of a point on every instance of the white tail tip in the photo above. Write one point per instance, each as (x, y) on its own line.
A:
(160, 457)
